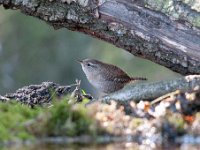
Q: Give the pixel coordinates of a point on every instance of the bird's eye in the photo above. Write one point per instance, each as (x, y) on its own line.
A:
(88, 64)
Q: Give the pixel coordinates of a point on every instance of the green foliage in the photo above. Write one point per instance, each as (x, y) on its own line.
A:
(12, 116)
(61, 119)
(66, 119)
(177, 121)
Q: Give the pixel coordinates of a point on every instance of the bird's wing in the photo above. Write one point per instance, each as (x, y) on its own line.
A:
(117, 75)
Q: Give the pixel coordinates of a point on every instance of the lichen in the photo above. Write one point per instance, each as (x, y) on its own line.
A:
(177, 10)
(117, 28)
(141, 35)
(57, 16)
(31, 4)
(83, 3)
(68, 1)
(196, 21)
(71, 15)
(194, 4)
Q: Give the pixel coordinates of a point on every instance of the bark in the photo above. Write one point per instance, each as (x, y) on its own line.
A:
(150, 91)
(169, 41)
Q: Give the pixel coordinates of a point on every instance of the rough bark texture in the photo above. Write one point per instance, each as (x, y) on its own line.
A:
(127, 24)
(150, 91)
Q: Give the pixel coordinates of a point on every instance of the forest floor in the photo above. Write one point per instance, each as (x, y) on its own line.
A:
(49, 113)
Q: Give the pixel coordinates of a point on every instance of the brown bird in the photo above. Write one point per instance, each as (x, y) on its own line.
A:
(105, 77)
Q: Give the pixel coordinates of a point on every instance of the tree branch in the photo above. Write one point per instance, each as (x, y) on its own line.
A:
(150, 91)
(126, 24)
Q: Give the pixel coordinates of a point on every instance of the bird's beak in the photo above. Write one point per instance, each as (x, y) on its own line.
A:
(80, 61)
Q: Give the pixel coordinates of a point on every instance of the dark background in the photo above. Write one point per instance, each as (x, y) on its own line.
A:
(32, 52)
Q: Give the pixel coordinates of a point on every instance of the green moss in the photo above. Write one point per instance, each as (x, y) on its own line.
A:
(159, 4)
(20, 122)
(177, 121)
(196, 21)
(165, 6)
(66, 120)
(136, 122)
(12, 116)
(195, 5)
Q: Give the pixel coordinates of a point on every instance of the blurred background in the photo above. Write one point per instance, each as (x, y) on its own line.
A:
(32, 52)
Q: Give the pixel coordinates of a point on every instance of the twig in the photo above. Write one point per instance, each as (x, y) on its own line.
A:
(164, 97)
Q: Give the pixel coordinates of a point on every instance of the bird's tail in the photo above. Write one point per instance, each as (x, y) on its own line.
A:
(138, 78)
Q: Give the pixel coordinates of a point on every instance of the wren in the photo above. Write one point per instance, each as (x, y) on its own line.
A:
(106, 78)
